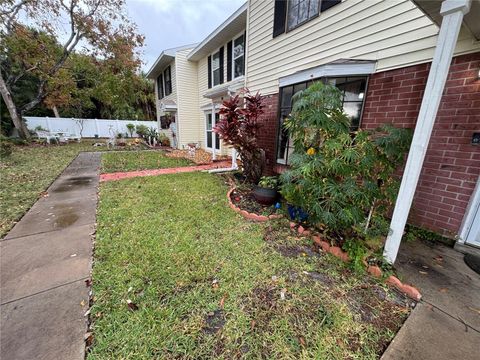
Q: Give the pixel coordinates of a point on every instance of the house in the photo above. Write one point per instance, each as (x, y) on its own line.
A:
(203, 76)
(389, 58)
(175, 93)
(379, 53)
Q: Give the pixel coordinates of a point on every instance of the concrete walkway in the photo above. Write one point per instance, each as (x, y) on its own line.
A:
(154, 172)
(446, 323)
(45, 260)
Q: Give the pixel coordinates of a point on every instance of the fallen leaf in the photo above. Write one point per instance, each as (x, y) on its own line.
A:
(282, 294)
(473, 309)
(222, 302)
(302, 341)
(82, 303)
(443, 290)
(423, 272)
(88, 339)
(131, 305)
(88, 282)
(252, 324)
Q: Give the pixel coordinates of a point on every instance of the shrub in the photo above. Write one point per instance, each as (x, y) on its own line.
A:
(343, 180)
(6, 147)
(163, 139)
(270, 182)
(131, 129)
(238, 127)
(142, 130)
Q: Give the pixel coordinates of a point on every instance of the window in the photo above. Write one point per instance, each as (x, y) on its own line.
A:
(353, 90)
(238, 56)
(165, 121)
(167, 75)
(216, 68)
(300, 11)
(289, 14)
(160, 86)
(210, 134)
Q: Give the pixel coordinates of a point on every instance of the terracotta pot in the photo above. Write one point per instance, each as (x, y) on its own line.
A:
(265, 196)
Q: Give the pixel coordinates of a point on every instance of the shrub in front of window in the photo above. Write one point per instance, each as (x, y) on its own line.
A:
(345, 181)
(238, 127)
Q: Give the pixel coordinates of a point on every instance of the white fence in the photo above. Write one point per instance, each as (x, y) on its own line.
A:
(91, 127)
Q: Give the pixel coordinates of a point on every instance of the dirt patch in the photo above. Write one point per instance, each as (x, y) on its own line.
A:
(372, 305)
(214, 322)
(295, 251)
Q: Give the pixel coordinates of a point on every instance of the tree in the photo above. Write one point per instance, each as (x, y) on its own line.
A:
(238, 127)
(99, 25)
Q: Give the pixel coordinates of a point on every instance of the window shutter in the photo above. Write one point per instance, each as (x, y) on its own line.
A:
(209, 72)
(169, 80)
(327, 4)
(221, 65)
(229, 60)
(160, 86)
(279, 17)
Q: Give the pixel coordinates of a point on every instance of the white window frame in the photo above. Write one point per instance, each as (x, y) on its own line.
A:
(213, 70)
(233, 55)
(211, 131)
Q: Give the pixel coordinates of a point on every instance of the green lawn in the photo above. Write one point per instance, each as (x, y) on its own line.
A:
(28, 172)
(139, 160)
(178, 274)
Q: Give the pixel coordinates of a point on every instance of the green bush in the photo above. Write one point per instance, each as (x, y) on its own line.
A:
(142, 130)
(345, 181)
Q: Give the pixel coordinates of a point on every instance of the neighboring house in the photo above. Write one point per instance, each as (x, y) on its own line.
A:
(379, 53)
(202, 76)
(176, 93)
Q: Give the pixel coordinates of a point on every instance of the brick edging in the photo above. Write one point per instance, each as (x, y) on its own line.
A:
(246, 214)
(373, 270)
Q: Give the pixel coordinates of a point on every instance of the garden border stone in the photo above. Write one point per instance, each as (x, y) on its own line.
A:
(373, 270)
(247, 215)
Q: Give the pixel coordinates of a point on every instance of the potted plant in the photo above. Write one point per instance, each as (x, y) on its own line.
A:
(266, 192)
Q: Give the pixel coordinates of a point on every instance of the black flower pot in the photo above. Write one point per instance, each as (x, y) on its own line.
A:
(265, 196)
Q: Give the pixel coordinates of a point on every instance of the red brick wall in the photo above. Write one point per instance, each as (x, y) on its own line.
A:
(452, 163)
(268, 131)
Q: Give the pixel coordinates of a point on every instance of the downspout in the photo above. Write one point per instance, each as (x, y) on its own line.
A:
(452, 12)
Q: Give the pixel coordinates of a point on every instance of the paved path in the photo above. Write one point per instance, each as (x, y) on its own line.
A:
(45, 260)
(445, 325)
(183, 169)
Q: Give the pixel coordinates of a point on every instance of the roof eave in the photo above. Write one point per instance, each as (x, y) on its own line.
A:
(196, 54)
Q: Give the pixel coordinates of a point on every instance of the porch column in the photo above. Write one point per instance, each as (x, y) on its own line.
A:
(452, 12)
(214, 136)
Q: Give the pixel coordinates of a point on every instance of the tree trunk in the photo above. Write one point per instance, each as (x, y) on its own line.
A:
(55, 111)
(12, 109)
(253, 165)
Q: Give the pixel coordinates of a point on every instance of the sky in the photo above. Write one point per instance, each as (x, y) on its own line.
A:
(171, 23)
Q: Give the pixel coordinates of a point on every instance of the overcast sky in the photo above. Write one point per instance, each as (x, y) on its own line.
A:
(171, 23)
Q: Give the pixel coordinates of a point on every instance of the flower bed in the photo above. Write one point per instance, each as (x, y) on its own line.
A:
(233, 194)
(201, 157)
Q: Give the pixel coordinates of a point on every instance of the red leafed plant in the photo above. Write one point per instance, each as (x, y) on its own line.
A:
(238, 127)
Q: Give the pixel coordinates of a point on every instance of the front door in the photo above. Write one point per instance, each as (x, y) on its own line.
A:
(471, 226)
(473, 234)
(212, 138)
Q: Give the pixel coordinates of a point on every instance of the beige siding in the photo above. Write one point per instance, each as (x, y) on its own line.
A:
(187, 85)
(394, 33)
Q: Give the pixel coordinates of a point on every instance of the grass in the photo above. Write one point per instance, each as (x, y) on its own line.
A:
(27, 173)
(177, 274)
(139, 160)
